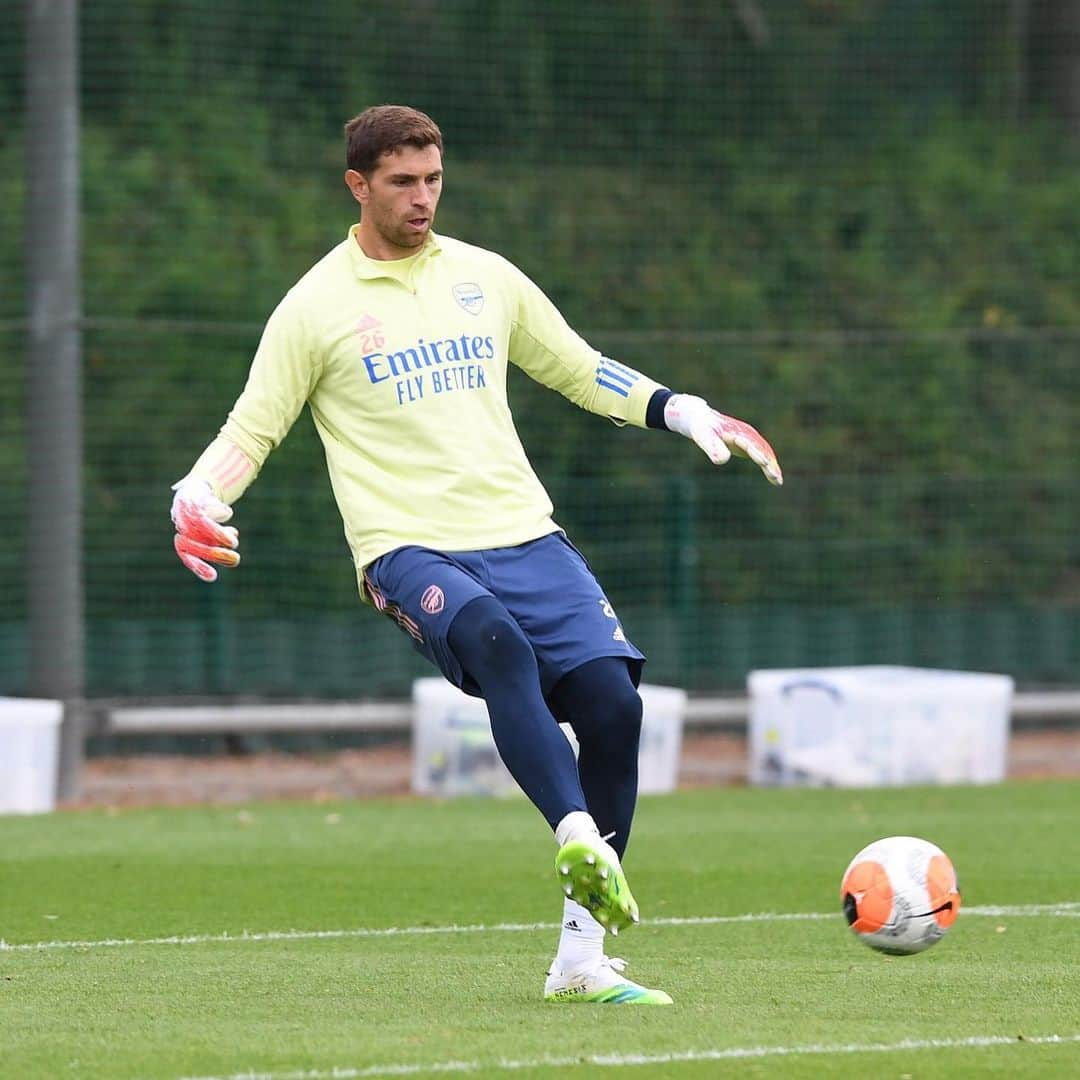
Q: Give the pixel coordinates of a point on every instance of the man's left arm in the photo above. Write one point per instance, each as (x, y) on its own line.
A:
(544, 346)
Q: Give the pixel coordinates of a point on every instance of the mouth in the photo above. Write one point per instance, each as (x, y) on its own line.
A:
(417, 224)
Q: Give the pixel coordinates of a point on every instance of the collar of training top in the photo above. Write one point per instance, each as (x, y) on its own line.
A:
(369, 268)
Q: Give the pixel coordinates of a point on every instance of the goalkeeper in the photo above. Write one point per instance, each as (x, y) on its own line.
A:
(399, 340)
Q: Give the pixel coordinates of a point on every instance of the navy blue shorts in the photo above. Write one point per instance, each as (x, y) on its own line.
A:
(545, 584)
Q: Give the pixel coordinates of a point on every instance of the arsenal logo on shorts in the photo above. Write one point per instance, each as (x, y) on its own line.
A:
(432, 601)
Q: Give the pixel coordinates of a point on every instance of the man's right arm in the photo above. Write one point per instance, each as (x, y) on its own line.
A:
(282, 376)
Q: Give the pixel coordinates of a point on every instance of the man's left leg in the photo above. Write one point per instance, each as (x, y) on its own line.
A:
(588, 668)
(600, 702)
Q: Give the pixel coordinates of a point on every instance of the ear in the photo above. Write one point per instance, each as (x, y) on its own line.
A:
(357, 183)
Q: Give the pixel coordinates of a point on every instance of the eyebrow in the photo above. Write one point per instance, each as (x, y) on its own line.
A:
(413, 176)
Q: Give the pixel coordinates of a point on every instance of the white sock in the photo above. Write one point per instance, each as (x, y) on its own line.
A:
(576, 823)
(581, 944)
(580, 825)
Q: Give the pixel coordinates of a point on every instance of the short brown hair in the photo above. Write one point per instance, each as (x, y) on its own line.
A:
(383, 129)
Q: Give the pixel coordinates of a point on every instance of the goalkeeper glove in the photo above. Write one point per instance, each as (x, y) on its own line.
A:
(200, 538)
(719, 435)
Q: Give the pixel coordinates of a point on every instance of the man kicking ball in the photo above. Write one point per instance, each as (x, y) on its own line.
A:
(399, 340)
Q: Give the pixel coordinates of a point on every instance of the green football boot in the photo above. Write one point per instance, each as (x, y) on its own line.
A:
(590, 874)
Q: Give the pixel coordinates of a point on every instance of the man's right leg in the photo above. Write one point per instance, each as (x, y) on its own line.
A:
(492, 649)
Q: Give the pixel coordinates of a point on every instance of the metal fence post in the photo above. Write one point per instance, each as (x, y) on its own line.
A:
(54, 379)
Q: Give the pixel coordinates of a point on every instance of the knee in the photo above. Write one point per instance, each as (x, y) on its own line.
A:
(627, 709)
(502, 640)
(486, 637)
(614, 718)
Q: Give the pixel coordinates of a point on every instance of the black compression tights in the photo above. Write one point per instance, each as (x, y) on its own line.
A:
(600, 702)
(597, 699)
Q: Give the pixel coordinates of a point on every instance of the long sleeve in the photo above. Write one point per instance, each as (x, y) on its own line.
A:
(544, 346)
(282, 376)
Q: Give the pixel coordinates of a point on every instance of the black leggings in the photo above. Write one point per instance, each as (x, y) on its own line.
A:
(598, 700)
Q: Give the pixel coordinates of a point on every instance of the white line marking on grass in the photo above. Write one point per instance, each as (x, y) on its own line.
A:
(731, 1053)
(282, 935)
(1066, 910)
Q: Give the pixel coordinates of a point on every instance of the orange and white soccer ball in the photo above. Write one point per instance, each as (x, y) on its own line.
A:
(900, 895)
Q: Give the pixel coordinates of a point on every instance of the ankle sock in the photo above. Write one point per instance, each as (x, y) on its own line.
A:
(581, 944)
(575, 824)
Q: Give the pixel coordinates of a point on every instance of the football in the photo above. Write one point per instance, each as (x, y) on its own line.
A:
(900, 895)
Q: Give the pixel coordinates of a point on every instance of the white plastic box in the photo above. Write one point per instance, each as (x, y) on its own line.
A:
(29, 754)
(877, 726)
(454, 752)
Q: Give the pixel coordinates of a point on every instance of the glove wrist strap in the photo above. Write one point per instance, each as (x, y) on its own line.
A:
(682, 411)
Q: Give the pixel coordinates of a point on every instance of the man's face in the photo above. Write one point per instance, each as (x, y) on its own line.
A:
(398, 200)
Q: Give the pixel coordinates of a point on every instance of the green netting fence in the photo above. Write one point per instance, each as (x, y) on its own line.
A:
(856, 224)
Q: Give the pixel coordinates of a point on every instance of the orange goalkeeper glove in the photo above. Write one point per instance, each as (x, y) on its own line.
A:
(200, 538)
(720, 436)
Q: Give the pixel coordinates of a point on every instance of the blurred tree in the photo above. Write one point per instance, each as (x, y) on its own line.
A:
(1054, 53)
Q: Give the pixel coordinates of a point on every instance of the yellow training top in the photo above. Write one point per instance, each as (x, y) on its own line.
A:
(404, 366)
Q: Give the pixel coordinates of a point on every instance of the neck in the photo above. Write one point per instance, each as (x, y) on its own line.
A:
(377, 247)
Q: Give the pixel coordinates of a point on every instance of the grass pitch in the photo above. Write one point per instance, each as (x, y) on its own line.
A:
(408, 938)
